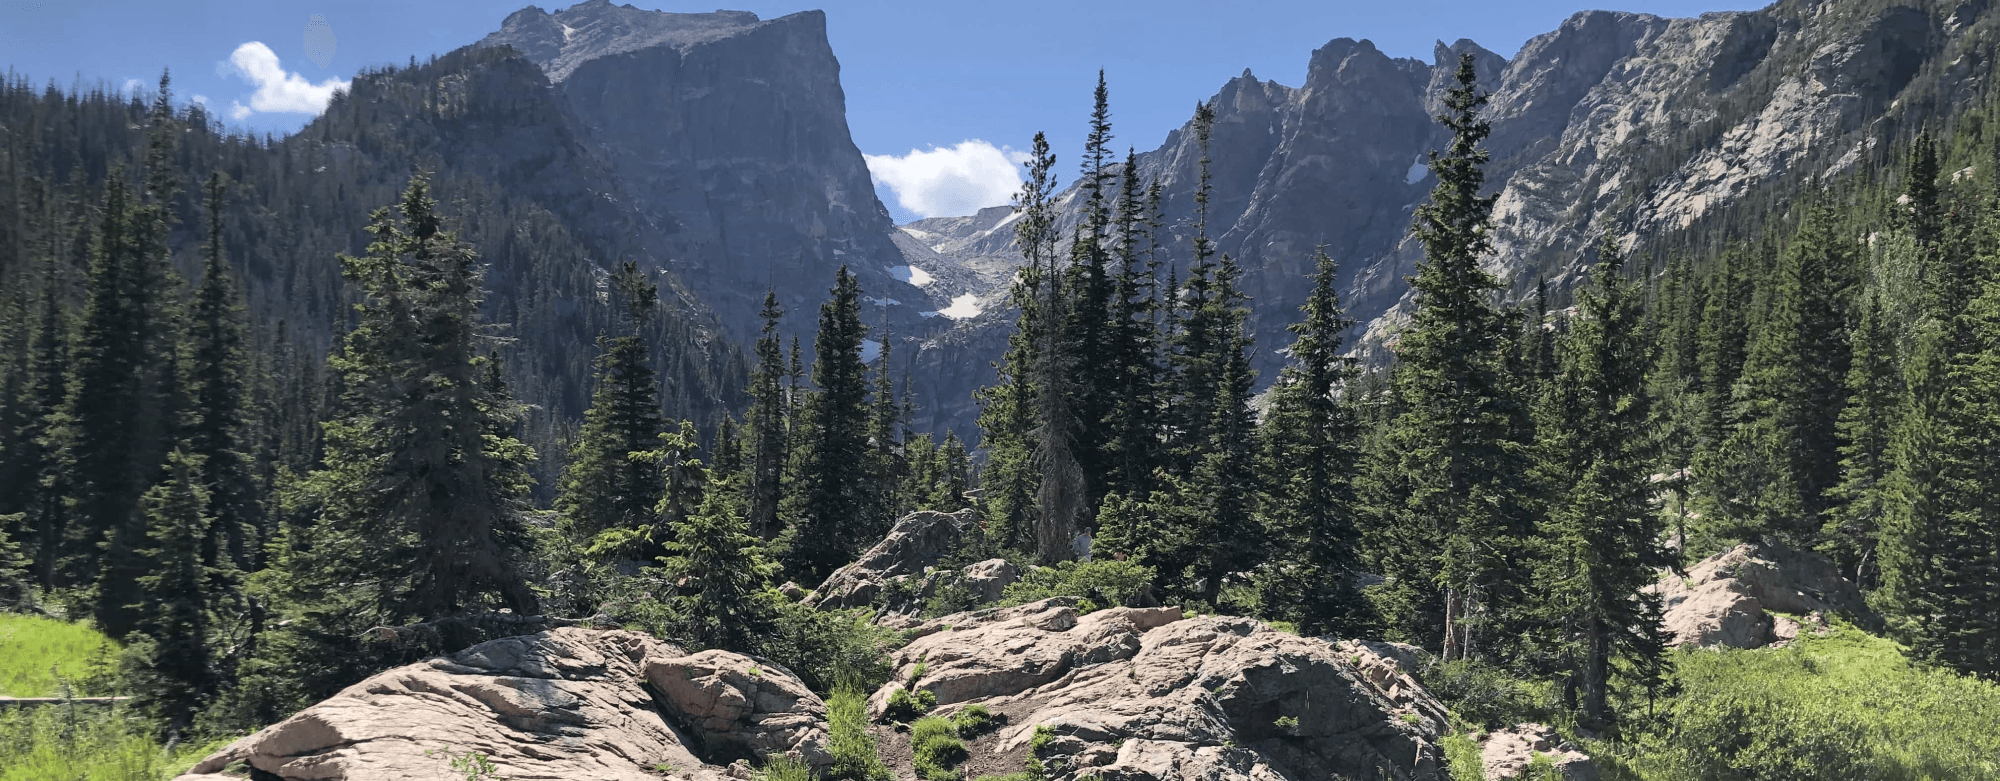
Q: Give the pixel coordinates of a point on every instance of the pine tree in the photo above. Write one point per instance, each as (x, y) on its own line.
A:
(769, 439)
(442, 530)
(1061, 497)
(97, 430)
(1131, 450)
(1088, 288)
(604, 486)
(1874, 388)
(168, 665)
(888, 460)
(828, 507)
(1781, 456)
(1311, 451)
(1194, 337)
(1597, 450)
(216, 379)
(1939, 548)
(1230, 539)
(1448, 470)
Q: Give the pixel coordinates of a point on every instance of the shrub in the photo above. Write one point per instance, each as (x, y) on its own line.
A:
(935, 748)
(827, 649)
(905, 705)
(1287, 724)
(1107, 583)
(853, 749)
(975, 720)
(1485, 695)
(1041, 739)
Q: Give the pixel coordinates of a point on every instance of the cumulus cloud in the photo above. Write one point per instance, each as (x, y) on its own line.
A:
(950, 181)
(277, 90)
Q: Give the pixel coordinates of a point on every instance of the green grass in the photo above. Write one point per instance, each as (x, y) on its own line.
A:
(854, 755)
(1843, 706)
(1463, 756)
(935, 748)
(36, 653)
(784, 768)
(975, 720)
(87, 743)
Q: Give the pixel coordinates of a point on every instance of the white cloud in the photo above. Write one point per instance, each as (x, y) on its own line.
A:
(950, 181)
(202, 99)
(277, 90)
(132, 85)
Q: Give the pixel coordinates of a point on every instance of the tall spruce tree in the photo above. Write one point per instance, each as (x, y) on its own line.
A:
(827, 504)
(1939, 548)
(769, 437)
(604, 486)
(1874, 390)
(1597, 450)
(1448, 472)
(1781, 456)
(217, 432)
(168, 664)
(1060, 497)
(442, 530)
(1311, 451)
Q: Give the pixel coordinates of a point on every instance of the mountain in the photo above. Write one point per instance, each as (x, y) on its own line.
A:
(1660, 127)
(729, 134)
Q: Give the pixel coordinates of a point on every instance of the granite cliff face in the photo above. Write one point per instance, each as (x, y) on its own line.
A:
(1651, 124)
(729, 134)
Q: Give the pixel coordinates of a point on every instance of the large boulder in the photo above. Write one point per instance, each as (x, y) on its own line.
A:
(563, 704)
(1733, 599)
(916, 543)
(1143, 693)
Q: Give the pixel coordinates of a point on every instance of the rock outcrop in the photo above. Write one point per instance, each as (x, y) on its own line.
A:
(562, 704)
(1511, 753)
(916, 543)
(1733, 599)
(1144, 693)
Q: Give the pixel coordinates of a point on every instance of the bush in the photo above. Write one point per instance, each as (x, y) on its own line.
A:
(1041, 739)
(935, 748)
(1102, 583)
(975, 720)
(832, 648)
(1485, 695)
(905, 705)
(853, 749)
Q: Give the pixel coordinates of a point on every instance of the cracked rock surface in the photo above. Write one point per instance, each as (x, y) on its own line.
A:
(563, 704)
(1145, 693)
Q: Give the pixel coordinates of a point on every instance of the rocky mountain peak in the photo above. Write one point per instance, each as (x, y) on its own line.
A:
(561, 41)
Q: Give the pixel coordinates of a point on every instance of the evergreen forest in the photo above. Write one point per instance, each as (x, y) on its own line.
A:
(273, 422)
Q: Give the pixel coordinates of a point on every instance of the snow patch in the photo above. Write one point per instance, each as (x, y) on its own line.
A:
(910, 274)
(962, 307)
(568, 32)
(1417, 171)
(870, 350)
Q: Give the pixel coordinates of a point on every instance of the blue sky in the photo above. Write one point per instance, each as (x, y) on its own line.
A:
(919, 76)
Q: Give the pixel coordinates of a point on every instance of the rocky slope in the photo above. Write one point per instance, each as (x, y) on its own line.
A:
(1652, 124)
